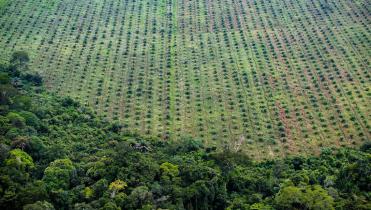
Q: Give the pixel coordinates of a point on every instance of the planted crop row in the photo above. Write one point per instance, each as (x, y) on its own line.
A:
(269, 77)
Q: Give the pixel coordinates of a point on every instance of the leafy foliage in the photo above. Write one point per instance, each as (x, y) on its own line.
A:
(19, 160)
(304, 197)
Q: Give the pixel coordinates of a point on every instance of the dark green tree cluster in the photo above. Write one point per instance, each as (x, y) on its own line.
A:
(56, 154)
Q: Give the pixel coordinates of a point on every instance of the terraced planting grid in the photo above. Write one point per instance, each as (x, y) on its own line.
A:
(268, 77)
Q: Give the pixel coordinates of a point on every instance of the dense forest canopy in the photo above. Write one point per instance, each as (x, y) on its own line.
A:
(57, 154)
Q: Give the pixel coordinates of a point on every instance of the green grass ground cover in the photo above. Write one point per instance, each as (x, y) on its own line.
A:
(267, 77)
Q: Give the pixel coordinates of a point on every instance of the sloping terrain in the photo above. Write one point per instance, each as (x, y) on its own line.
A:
(270, 77)
(56, 154)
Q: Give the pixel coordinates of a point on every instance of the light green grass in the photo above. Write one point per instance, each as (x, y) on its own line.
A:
(287, 84)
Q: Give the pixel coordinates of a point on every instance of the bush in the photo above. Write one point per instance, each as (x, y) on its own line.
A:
(16, 120)
(35, 79)
(30, 118)
(305, 197)
(39, 205)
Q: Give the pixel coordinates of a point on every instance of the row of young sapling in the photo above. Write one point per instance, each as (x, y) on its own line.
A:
(290, 74)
